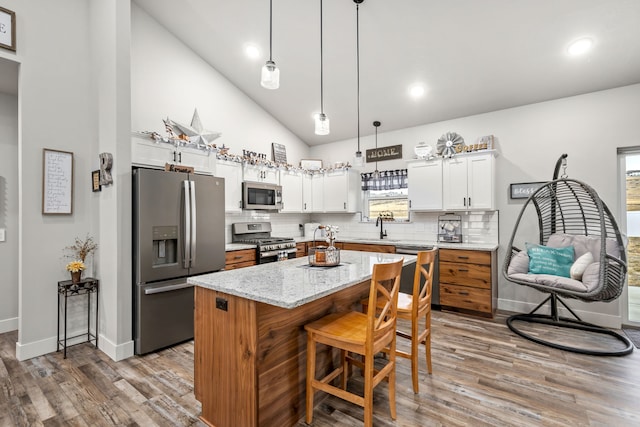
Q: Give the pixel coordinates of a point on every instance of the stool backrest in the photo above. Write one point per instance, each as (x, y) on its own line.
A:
(385, 285)
(423, 280)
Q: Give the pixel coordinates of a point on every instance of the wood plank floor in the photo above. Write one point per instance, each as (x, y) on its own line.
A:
(483, 375)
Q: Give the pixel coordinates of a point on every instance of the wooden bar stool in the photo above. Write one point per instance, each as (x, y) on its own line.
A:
(422, 287)
(359, 334)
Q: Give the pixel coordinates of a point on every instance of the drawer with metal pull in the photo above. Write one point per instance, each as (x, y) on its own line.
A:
(465, 297)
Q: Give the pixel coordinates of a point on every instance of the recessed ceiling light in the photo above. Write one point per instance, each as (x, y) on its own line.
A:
(252, 51)
(579, 47)
(416, 90)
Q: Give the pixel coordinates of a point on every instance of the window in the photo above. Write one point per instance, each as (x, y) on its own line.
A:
(383, 202)
(386, 194)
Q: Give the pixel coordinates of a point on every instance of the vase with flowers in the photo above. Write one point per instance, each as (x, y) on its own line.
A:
(78, 253)
(76, 268)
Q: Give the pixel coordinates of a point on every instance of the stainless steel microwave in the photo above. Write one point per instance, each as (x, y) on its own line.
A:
(260, 195)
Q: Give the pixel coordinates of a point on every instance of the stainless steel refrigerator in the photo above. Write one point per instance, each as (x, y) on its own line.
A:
(178, 231)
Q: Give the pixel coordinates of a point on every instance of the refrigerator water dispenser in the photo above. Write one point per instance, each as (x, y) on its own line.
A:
(165, 245)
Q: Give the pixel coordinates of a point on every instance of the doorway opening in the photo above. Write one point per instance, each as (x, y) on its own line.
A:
(630, 180)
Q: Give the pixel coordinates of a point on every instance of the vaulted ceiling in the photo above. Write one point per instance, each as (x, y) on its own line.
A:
(472, 56)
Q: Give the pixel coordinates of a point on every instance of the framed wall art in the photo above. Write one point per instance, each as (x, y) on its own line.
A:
(523, 190)
(7, 29)
(57, 182)
(95, 181)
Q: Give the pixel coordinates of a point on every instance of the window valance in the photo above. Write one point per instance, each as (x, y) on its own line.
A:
(387, 180)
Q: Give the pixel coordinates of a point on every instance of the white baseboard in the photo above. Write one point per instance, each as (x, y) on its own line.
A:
(48, 345)
(116, 352)
(600, 319)
(8, 325)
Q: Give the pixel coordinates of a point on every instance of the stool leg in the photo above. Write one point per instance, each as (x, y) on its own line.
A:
(368, 391)
(427, 340)
(415, 340)
(392, 380)
(311, 373)
(345, 369)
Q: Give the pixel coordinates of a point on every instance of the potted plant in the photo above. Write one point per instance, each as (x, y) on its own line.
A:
(78, 253)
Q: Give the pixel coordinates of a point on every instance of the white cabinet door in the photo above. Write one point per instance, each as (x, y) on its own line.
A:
(469, 181)
(481, 182)
(232, 174)
(425, 185)
(307, 193)
(317, 193)
(291, 183)
(261, 174)
(454, 183)
(146, 152)
(342, 191)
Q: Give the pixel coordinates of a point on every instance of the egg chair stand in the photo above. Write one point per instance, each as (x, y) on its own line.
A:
(568, 212)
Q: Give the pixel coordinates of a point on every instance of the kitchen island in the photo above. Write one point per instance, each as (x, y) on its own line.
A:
(250, 344)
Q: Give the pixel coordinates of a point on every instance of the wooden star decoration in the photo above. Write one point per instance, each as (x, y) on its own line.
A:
(196, 133)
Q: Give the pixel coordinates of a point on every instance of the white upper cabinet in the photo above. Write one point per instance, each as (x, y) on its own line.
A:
(232, 174)
(261, 174)
(469, 181)
(307, 192)
(342, 191)
(147, 152)
(317, 193)
(425, 185)
(292, 191)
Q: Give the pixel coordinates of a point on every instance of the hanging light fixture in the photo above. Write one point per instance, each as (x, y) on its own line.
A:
(270, 78)
(358, 160)
(322, 121)
(376, 173)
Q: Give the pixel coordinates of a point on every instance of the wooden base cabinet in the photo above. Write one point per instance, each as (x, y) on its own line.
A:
(239, 259)
(468, 281)
(250, 357)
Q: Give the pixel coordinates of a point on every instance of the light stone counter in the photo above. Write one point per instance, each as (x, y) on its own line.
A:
(294, 282)
(409, 243)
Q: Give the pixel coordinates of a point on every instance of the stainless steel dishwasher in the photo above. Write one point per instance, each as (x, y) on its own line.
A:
(408, 272)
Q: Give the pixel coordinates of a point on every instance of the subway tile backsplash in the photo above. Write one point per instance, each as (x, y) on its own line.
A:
(477, 227)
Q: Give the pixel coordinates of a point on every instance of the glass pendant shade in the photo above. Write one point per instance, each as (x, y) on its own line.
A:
(270, 76)
(322, 124)
(358, 159)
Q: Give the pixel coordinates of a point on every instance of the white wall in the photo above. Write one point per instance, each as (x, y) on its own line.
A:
(56, 110)
(170, 80)
(588, 128)
(9, 211)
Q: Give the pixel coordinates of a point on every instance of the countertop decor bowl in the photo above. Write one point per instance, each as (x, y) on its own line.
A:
(324, 256)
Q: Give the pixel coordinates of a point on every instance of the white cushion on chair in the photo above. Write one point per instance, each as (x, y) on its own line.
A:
(519, 264)
(581, 264)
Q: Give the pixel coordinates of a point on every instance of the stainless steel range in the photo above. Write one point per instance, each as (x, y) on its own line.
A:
(269, 249)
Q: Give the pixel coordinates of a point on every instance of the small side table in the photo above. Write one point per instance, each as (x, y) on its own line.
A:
(68, 289)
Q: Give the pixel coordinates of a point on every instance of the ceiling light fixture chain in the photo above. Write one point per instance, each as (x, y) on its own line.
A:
(270, 77)
(359, 160)
(322, 121)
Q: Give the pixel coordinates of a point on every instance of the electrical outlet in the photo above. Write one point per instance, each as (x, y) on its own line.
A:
(2, 236)
(221, 304)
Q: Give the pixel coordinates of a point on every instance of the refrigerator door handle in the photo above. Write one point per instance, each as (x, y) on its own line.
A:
(192, 185)
(186, 204)
(169, 288)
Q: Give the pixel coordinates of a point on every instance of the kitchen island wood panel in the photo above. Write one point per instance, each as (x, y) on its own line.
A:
(256, 356)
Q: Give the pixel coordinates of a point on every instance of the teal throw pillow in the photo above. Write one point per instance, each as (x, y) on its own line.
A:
(546, 260)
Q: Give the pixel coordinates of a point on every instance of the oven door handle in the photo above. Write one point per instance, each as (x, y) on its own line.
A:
(275, 253)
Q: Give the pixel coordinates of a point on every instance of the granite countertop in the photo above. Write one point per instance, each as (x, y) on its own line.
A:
(294, 282)
(411, 243)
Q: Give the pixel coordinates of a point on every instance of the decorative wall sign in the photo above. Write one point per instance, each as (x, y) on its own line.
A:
(384, 153)
(57, 182)
(7, 29)
(311, 164)
(523, 190)
(279, 153)
(95, 181)
(106, 163)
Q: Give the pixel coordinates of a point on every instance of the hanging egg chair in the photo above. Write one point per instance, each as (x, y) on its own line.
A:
(566, 243)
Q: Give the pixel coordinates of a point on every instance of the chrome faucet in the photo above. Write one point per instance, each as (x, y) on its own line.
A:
(380, 221)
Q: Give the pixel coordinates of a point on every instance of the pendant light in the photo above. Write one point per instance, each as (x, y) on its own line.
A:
(376, 173)
(322, 121)
(358, 160)
(270, 78)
